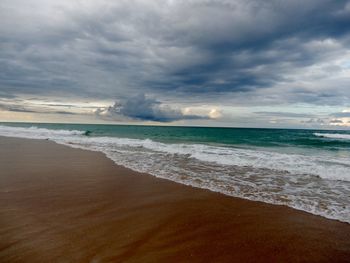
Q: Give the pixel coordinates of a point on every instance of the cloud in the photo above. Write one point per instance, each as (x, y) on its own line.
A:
(215, 114)
(14, 108)
(31, 109)
(328, 121)
(140, 107)
(239, 53)
(317, 121)
(336, 121)
(341, 114)
(284, 114)
(106, 49)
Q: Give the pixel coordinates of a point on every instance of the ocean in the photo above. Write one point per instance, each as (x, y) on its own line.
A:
(307, 170)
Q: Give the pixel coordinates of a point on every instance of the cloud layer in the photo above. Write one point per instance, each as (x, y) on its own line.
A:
(237, 52)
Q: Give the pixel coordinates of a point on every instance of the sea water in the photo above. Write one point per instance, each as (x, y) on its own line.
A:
(305, 169)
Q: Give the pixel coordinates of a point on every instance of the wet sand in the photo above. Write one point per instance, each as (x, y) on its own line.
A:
(59, 204)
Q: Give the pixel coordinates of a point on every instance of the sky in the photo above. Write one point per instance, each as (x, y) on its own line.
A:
(236, 63)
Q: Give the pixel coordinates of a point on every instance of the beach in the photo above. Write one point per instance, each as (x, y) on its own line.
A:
(59, 204)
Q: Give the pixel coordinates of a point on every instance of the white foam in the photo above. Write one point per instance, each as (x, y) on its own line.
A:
(338, 136)
(323, 166)
(36, 133)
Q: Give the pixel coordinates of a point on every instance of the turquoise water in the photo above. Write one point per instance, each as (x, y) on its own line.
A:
(242, 137)
(304, 169)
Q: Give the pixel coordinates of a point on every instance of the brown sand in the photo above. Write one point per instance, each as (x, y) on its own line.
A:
(59, 204)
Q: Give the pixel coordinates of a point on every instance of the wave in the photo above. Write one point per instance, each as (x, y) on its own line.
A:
(339, 136)
(36, 133)
(326, 167)
(295, 180)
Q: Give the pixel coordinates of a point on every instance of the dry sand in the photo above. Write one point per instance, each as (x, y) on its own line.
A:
(59, 204)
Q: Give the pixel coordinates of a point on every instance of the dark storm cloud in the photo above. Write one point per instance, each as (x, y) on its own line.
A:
(253, 52)
(145, 109)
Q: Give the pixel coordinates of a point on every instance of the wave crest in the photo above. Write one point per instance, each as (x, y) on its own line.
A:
(34, 132)
(337, 136)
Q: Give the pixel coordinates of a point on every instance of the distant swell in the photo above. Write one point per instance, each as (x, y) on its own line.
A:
(338, 136)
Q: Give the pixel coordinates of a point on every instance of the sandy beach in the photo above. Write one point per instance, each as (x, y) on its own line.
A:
(59, 204)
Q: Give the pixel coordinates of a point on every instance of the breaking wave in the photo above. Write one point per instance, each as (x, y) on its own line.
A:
(338, 136)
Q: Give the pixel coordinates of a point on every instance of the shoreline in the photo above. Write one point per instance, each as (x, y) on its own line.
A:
(73, 146)
(206, 189)
(65, 204)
